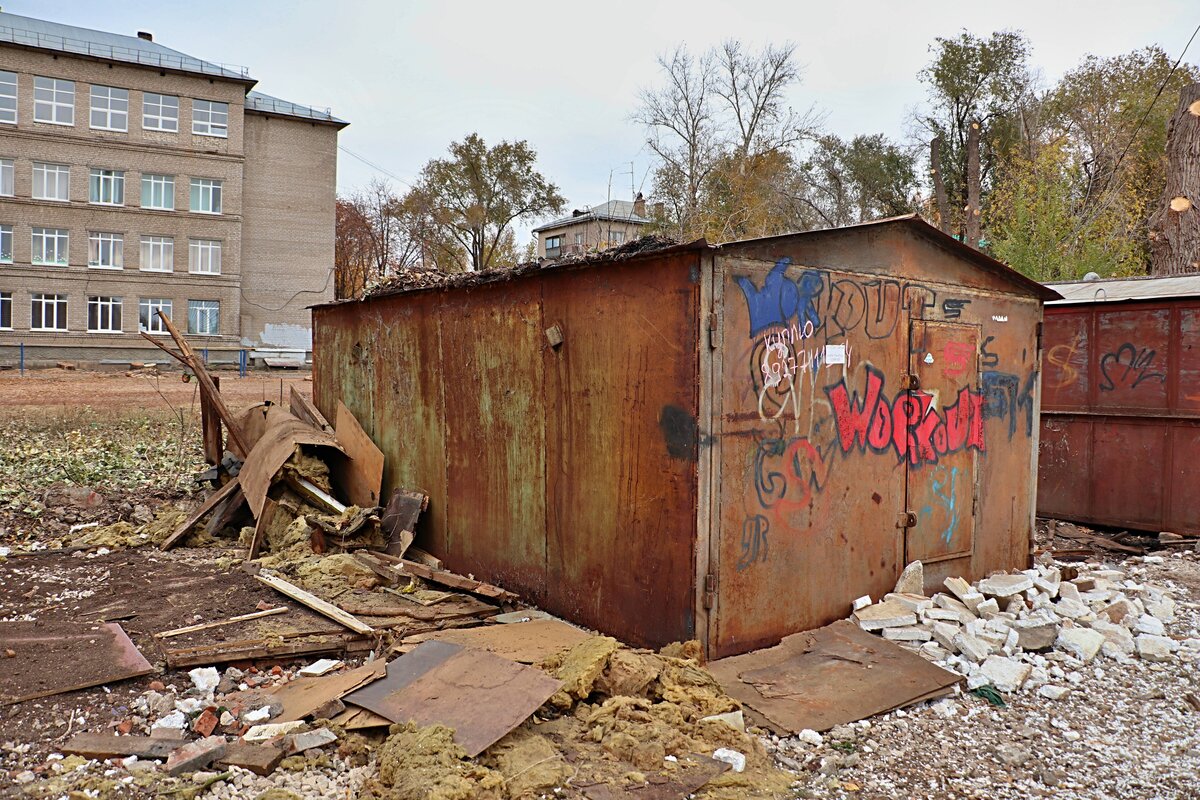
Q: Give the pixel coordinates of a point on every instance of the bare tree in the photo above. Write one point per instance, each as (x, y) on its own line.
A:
(753, 86)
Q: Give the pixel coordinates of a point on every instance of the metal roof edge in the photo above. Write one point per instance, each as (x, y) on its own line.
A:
(471, 280)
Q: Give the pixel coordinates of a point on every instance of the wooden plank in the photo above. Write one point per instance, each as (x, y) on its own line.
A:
(210, 428)
(315, 603)
(421, 557)
(265, 517)
(301, 697)
(100, 746)
(450, 579)
(224, 515)
(154, 341)
(236, 442)
(303, 409)
(208, 505)
(252, 649)
(313, 492)
(361, 475)
(203, 626)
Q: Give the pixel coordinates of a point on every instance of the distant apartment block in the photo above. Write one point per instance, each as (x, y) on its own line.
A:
(606, 225)
(136, 179)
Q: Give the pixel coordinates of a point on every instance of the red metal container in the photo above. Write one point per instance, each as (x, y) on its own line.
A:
(1121, 404)
(725, 443)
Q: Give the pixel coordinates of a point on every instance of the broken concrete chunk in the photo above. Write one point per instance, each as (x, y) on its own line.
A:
(1005, 674)
(734, 719)
(1004, 586)
(861, 602)
(261, 759)
(1035, 634)
(1163, 609)
(1071, 609)
(972, 648)
(1082, 643)
(205, 679)
(318, 668)
(1117, 637)
(196, 755)
(733, 758)
(948, 615)
(907, 634)
(987, 608)
(915, 602)
(1149, 625)
(263, 733)
(1068, 591)
(944, 633)
(973, 600)
(1117, 610)
(1052, 692)
(1155, 648)
(912, 580)
(299, 742)
(889, 614)
(958, 587)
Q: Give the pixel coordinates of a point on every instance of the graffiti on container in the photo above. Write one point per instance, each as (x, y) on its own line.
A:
(942, 487)
(754, 541)
(787, 472)
(1060, 355)
(1007, 397)
(952, 308)
(1128, 367)
(956, 359)
(987, 357)
(782, 300)
(908, 425)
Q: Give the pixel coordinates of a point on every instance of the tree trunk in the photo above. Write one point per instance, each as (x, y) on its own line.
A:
(1175, 223)
(974, 188)
(939, 184)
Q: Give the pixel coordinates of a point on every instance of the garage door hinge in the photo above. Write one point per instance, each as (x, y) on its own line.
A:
(712, 330)
(710, 590)
(906, 519)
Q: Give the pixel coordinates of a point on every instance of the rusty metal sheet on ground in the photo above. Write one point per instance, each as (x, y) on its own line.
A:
(478, 694)
(54, 657)
(527, 642)
(830, 676)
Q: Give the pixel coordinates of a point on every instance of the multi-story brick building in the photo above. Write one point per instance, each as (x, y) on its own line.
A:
(135, 178)
(607, 225)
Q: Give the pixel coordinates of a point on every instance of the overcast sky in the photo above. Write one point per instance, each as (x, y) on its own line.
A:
(413, 76)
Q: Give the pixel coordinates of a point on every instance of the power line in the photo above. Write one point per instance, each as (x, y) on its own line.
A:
(373, 165)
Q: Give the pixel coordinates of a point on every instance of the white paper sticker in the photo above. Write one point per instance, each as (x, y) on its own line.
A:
(929, 358)
(835, 354)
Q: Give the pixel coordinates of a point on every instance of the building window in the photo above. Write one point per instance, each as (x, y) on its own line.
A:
(110, 108)
(158, 254)
(160, 112)
(204, 256)
(50, 246)
(6, 244)
(7, 176)
(210, 118)
(6, 311)
(48, 312)
(579, 239)
(104, 315)
(616, 237)
(8, 100)
(105, 250)
(107, 186)
(204, 317)
(54, 101)
(158, 191)
(148, 319)
(51, 181)
(553, 246)
(206, 196)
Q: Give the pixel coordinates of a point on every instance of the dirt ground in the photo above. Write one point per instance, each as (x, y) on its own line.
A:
(121, 391)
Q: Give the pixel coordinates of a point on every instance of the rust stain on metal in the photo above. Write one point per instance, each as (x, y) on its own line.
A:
(1121, 414)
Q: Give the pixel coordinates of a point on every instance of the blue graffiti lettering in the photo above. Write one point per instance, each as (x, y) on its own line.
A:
(780, 298)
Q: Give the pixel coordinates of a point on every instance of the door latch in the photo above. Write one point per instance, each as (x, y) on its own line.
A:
(910, 383)
(906, 519)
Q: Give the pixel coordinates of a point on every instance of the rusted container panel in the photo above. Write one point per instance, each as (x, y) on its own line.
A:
(826, 445)
(621, 435)
(1121, 405)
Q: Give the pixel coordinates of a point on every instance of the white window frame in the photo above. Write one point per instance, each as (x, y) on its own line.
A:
(616, 237)
(149, 306)
(8, 97)
(108, 183)
(8, 177)
(163, 184)
(204, 256)
(40, 300)
(62, 245)
(210, 311)
(161, 246)
(210, 118)
(557, 243)
(58, 108)
(6, 244)
(6, 309)
(104, 306)
(106, 250)
(62, 181)
(112, 105)
(156, 114)
(205, 195)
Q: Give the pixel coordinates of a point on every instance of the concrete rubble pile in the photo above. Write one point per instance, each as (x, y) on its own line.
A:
(1025, 631)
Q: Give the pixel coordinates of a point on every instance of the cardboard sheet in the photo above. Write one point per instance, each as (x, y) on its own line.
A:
(527, 642)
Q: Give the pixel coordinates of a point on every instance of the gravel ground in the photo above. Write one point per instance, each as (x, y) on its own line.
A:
(1124, 730)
